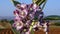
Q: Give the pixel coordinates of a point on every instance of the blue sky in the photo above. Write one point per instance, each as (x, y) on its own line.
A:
(52, 7)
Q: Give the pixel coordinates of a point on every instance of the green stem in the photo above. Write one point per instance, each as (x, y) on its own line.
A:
(31, 27)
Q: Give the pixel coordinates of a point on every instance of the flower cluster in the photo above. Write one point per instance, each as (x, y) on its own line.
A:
(24, 14)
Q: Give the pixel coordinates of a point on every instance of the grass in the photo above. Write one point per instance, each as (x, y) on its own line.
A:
(54, 26)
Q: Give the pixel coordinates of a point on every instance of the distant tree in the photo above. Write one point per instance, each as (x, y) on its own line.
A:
(4, 20)
(11, 22)
(52, 17)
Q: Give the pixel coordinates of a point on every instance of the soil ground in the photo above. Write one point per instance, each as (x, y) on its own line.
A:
(52, 30)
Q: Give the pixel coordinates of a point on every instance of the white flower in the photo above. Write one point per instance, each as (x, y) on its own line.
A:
(34, 6)
(23, 5)
(19, 27)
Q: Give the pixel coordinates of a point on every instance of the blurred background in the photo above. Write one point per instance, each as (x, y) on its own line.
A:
(51, 13)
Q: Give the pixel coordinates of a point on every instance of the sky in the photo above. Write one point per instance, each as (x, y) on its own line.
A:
(52, 7)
